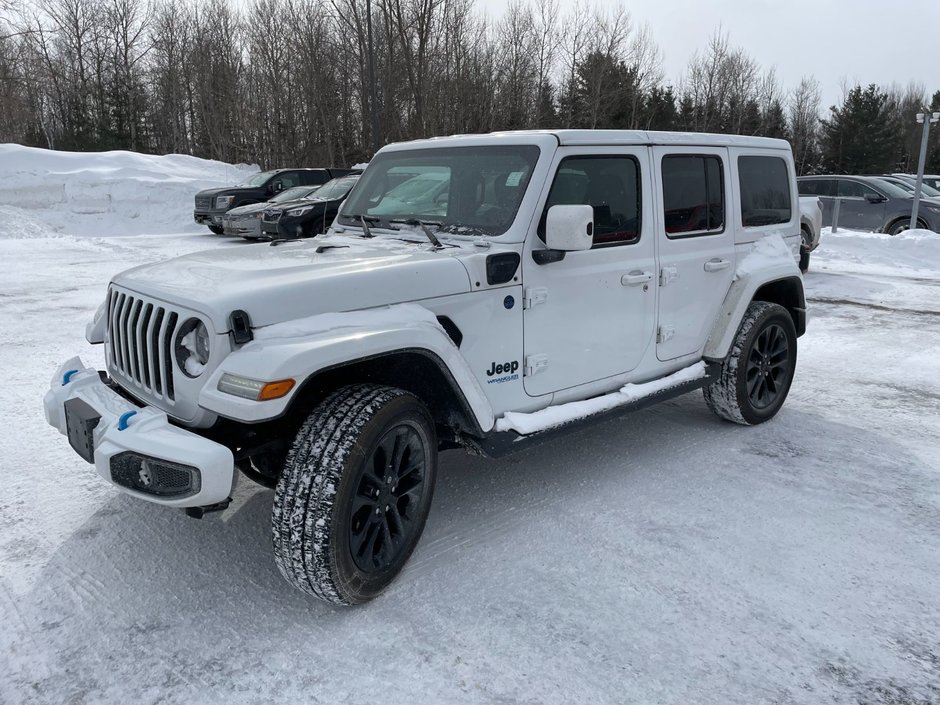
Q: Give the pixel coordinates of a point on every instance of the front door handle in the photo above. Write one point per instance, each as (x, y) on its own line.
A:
(716, 265)
(636, 278)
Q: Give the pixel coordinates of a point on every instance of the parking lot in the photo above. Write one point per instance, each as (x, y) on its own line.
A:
(663, 557)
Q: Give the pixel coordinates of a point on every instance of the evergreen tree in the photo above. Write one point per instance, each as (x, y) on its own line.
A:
(861, 136)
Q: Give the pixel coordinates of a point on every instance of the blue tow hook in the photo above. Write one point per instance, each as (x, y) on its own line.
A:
(67, 377)
(125, 417)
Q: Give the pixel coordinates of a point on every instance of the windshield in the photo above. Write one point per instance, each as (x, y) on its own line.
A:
(294, 194)
(462, 189)
(257, 179)
(337, 188)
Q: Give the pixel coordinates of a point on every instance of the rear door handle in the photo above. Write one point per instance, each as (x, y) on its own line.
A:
(636, 278)
(716, 265)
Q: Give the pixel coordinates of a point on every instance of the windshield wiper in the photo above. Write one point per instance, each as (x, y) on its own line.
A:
(364, 219)
(424, 227)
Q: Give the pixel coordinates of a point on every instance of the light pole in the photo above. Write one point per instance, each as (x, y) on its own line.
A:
(926, 119)
(373, 107)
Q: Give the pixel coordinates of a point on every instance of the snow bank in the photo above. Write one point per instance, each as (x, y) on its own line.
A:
(914, 251)
(103, 193)
(572, 411)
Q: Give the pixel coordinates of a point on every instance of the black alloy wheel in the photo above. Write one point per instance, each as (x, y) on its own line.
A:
(768, 367)
(385, 514)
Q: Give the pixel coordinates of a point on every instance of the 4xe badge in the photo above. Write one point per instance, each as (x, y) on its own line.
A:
(502, 372)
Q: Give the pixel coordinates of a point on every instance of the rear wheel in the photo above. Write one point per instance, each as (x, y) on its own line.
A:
(355, 493)
(756, 375)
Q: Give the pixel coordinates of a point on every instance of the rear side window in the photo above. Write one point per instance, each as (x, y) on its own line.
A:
(693, 195)
(610, 185)
(765, 191)
(817, 187)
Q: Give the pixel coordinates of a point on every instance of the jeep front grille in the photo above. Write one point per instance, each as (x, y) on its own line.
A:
(204, 202)
(140, 343)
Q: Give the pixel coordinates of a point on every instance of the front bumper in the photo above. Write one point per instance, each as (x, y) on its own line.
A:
(136, 448)
(208, 218)
(242, 227)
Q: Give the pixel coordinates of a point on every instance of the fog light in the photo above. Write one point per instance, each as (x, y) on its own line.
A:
(155, 476)
(254, 389)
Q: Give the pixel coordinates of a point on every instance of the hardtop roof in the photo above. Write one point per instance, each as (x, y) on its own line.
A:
(614, 138)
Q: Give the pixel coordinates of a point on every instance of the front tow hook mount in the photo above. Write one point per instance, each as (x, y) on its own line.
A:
(200, 512)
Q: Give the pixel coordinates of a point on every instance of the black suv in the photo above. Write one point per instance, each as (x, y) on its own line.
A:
(212, 203)
(310, 216)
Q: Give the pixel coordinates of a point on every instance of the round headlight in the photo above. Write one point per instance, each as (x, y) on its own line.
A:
(192, 347)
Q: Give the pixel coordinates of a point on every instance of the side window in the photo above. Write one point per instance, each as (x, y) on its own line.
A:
(610, 185)
(853, 189)
(817, 187)
(693, 195)
(289, 179)
(765, 191)
(314, 177)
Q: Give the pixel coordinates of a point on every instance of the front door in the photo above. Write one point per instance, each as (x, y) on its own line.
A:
(696, 246)
(862, 208)
(590, 315)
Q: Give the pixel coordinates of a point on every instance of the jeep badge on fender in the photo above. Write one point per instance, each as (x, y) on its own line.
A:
(505, 368)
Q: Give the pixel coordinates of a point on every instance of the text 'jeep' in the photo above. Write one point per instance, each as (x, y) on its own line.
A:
(482, 292)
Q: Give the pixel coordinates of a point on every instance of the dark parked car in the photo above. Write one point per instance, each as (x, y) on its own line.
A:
(245, 221)
(909, 184)
(869, 203)
(211, 204)
(931, 180)
(311, 216)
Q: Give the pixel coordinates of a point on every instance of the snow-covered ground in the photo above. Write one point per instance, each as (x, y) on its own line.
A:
(665, 557)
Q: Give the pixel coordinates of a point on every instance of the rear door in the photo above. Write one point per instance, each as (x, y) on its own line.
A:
(696, 245)
(590, 315)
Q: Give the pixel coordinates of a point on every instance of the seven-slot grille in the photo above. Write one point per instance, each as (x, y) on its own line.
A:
(140, 335)
(203, 201)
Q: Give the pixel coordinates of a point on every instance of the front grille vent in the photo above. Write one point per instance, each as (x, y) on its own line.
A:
(141, 342)
(204, 202)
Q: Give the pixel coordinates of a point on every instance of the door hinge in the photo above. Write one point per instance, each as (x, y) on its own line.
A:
(668, 274)
(535, 364)
(535, 296)
(664, 333)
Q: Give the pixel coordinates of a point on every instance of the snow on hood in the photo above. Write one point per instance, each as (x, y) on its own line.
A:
(400, 315)
(298, 279)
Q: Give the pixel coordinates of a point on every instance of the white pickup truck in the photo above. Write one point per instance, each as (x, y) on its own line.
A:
(811, 215)
(522, 285)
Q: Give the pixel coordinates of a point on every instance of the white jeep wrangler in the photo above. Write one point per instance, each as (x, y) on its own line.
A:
(481, 292)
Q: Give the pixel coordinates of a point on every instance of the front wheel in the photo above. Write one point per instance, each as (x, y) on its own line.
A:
(217, 229)
(756, 375)
(354, 495)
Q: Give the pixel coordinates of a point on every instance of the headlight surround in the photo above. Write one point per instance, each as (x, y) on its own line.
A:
(299, 211)
(224, 201)
(193, 347)
(932, 209)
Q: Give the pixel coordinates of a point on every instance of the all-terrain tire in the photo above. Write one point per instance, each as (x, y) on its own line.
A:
(320, 492)
(804, 250)
(756, 358)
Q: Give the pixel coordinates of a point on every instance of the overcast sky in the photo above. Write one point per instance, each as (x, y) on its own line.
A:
(859, 41)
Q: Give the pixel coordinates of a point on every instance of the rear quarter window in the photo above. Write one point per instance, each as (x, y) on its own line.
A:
(765, 191)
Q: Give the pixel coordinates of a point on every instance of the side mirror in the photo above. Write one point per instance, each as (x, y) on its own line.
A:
(569, 228)
(875, 198)
(277, 187)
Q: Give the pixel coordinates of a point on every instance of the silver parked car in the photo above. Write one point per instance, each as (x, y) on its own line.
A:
(870, 203)
(245, 221)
